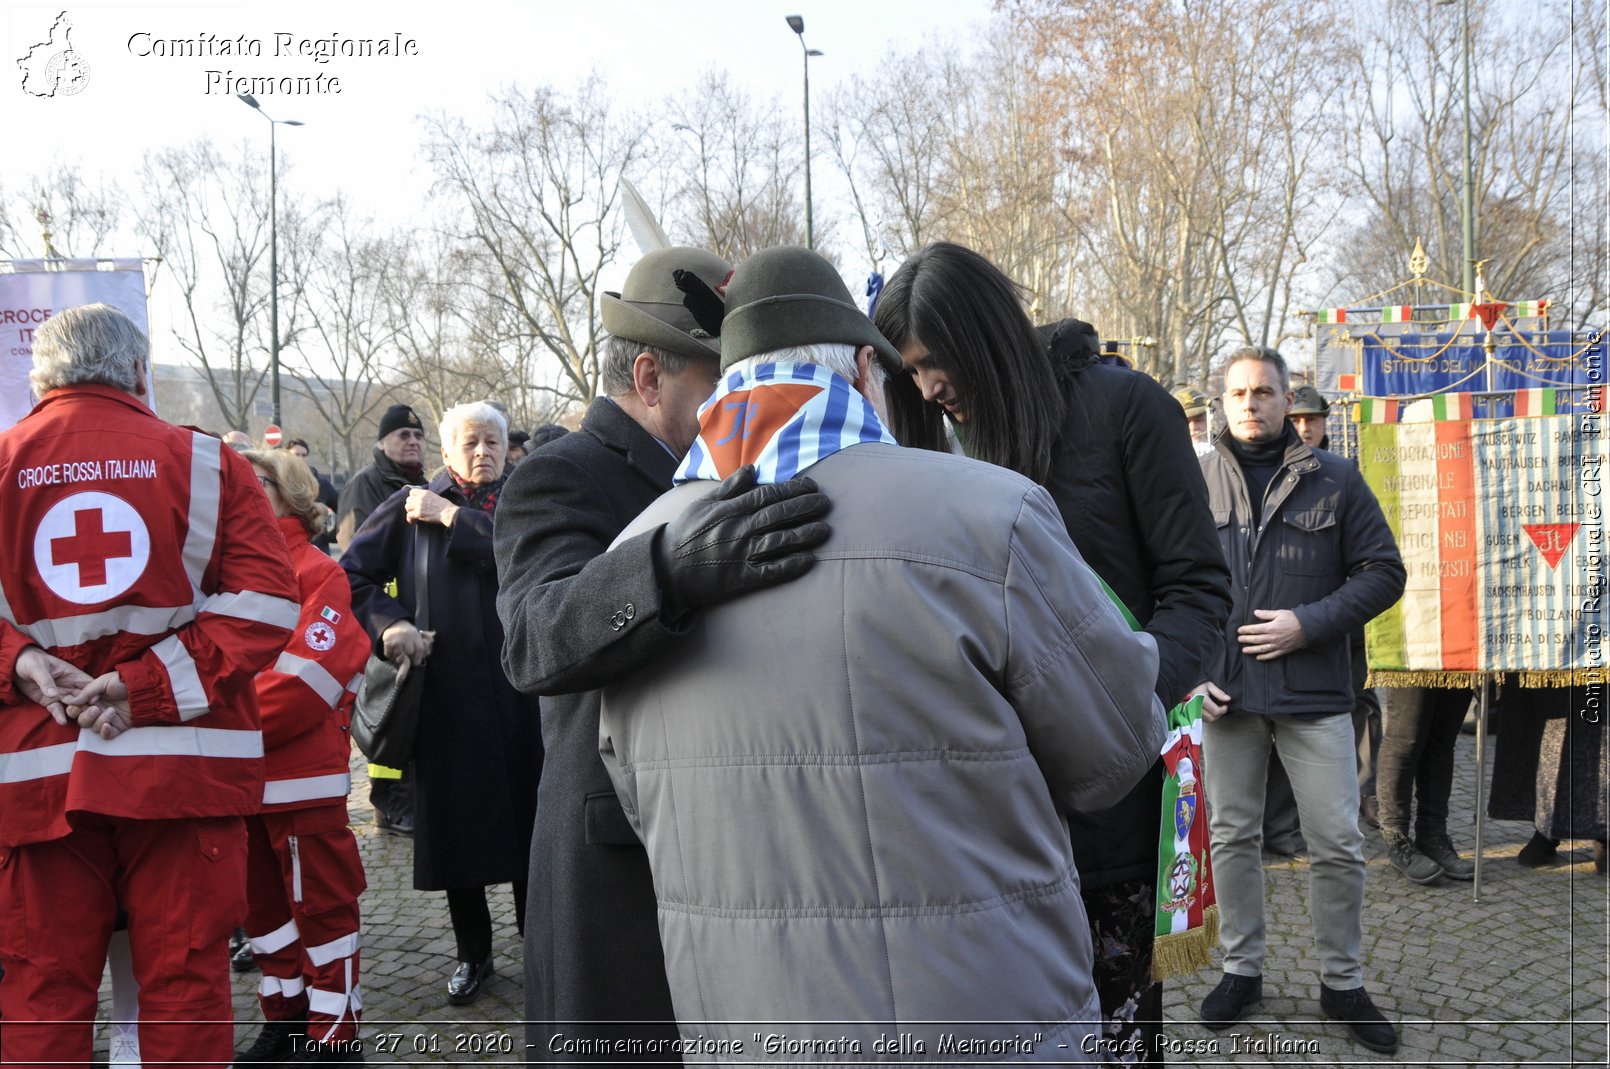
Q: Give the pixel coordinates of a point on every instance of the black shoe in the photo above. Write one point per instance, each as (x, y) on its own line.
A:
(1439, 848)
(1293, 845)
(1227, 1002)
(465, 983)
(1599, 856)
(241, 958)
(1369, 811)
(1408, 860)
(1354, 1009)
(311, 1052)
(400, 825)
(1540, 851)
(276, 1042)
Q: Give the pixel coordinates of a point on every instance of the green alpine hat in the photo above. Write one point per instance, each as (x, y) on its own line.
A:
(1308, 402)
(650, 308)
(1191, 399)
(786, 296)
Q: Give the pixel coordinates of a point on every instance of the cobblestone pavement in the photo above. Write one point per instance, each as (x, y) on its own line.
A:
(1519, 978)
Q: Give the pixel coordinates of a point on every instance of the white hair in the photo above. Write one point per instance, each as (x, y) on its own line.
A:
(837, 357)
(93, 343)
(476, 413)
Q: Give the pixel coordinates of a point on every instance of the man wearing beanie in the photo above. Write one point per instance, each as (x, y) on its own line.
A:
(575, 618)
(399, 462)
(863, 774)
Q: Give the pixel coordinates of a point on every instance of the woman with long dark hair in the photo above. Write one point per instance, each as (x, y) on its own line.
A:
(1114, 450)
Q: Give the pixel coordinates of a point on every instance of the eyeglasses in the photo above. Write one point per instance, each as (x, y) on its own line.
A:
(266, 483)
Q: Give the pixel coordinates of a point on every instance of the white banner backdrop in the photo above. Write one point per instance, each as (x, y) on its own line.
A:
(33, 291)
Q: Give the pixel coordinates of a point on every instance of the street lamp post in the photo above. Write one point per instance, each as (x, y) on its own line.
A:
(1467, 195)
(797, 24)
(273, 256)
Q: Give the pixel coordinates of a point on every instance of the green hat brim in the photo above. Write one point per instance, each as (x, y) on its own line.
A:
(669, 327)
(785, 320)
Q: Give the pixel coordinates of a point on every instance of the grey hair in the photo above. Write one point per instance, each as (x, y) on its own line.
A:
(837, 357)
(1264, 354)
(615, 369)
(473, 412)
(93, 343)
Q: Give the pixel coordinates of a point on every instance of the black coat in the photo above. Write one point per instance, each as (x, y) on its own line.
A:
(1126, 479)
(480, 750)
(364, 492)
(1324, 550)
(576, 619)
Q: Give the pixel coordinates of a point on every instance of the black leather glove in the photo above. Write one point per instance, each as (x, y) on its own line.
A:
(740, 538)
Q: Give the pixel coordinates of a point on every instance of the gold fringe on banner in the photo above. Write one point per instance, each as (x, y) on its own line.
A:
(1179, 953)
(1554, 677)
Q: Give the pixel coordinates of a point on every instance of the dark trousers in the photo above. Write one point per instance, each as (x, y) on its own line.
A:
(472, 920)
(1416, 764)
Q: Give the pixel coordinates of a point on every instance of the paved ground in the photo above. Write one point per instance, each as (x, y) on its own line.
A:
(1519, 978)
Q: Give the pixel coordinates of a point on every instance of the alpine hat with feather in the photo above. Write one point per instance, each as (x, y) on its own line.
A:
(788, 295)
(671, 301)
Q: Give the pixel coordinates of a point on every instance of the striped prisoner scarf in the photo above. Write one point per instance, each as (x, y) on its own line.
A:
(782, 418)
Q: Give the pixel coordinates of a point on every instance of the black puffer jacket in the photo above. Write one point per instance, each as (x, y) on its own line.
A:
(1128, 485)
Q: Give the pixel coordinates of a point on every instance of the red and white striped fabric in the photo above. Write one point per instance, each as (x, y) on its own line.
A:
(131, 544)
(306, 696)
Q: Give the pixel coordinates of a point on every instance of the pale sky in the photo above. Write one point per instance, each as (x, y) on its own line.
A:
(364, 139)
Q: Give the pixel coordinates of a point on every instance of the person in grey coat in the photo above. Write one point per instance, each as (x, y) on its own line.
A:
(853, 787)
(575, 619)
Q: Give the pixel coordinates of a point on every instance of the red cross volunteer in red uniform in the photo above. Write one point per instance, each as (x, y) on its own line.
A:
(303, 870)
(140, 593)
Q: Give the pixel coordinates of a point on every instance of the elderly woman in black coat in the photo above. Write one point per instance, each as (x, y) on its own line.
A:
(479, 753)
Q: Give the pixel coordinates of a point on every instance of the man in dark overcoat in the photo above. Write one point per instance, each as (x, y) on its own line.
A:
(575, 619)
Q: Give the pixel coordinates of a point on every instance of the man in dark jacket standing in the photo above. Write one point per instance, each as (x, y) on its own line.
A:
(575, 620)
(1311, 560)
(399, 462)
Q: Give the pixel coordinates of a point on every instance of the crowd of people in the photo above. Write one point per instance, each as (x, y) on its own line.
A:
(822, 671)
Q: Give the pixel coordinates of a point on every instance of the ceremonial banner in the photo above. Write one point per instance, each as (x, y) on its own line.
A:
(1187, 908)
(34, 290)
(1500, 526)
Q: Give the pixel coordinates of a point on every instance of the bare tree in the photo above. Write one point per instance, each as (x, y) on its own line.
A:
(538, 187)
(1407, 153)
(734, 170)
(207, 217)
(348, 324)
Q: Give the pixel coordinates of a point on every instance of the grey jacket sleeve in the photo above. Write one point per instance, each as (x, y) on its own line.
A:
(1082, 681)
(1371, 562)
(574, 618)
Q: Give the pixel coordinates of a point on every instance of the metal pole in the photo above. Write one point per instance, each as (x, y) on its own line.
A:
(810, 242)
(273, 278)
(1467, 205)
(1481, 779)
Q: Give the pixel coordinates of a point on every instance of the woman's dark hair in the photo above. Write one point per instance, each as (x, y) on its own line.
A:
(969, 317)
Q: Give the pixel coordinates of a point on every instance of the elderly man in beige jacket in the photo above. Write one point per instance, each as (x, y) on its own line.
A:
(852, 786)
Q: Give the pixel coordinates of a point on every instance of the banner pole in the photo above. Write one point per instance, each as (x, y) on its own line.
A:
(1481, 779)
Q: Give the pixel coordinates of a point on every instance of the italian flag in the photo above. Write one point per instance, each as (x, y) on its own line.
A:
(1451, 406)
(330, 614)
(1397, 313)
(1459, 312)
(1531, 308)
(1332, 315)
(1534, 402)
(1378, 410)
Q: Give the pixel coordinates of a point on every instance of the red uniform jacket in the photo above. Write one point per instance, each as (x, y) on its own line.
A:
(306, 697)
(129, 543)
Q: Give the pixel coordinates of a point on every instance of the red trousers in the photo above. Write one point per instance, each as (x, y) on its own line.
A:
(183, 885)
(304, 877)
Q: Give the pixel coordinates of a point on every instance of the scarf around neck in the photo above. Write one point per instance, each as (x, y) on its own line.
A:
(780, 417)
(483, 497)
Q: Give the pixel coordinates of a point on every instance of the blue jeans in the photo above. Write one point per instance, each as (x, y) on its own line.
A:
(1321, 761)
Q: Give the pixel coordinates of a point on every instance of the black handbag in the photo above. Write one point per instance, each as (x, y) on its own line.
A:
(385, 720)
